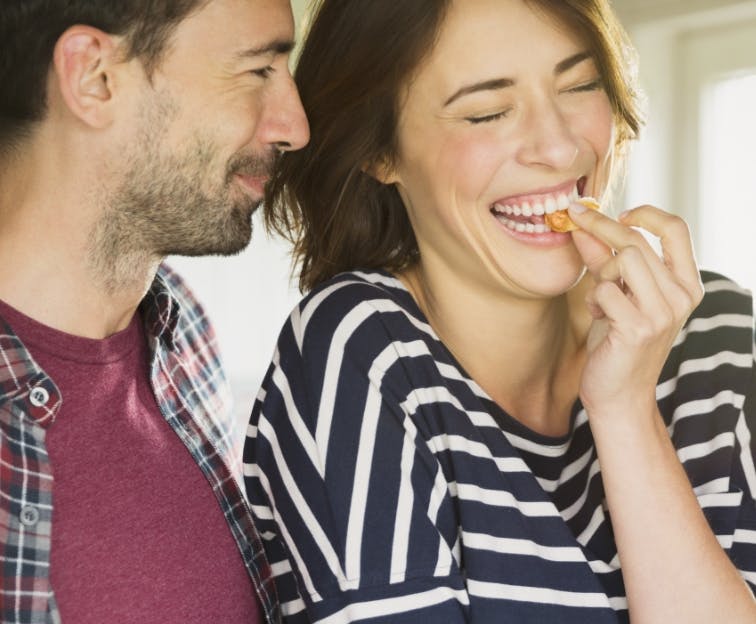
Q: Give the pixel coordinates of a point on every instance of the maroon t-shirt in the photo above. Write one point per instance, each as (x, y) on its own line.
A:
(137, 536)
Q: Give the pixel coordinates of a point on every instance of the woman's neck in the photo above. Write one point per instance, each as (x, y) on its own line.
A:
(526, 353)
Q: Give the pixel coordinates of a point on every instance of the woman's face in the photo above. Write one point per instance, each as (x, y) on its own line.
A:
(506, 116)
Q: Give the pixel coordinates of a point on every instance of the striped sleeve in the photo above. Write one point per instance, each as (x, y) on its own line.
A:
(743, 548)
(352, 504)
(709, 393)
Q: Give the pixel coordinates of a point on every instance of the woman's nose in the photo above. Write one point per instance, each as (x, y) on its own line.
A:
(548, 139)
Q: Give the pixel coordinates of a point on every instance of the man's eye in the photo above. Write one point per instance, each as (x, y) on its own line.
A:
(264, 72)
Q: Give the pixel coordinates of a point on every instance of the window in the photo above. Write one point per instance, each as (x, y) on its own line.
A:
(727, 157)
(696, 155)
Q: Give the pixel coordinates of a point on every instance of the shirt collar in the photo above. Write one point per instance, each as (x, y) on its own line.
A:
(22, 379)
(20, 374)
(160, 312)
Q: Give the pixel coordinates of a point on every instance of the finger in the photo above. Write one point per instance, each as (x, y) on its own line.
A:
(641, 286)
(615, 305)
(664, 303)
(593, 252)
(612, 233)
(624, 235)
(610, 271)
(593, 305)
(630, 272)
(676, 243)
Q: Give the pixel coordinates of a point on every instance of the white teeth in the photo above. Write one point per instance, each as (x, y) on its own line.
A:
(527, 209)
(529, 228)
(549, 205)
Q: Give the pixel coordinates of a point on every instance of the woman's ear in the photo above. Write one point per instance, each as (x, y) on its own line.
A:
(83, 61)
(383, 171)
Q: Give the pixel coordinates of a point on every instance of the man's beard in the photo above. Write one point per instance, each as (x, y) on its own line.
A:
(170, 203)
(167, 205)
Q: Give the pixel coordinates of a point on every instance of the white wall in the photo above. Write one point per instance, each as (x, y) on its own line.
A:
(635, 12)
(664, 167)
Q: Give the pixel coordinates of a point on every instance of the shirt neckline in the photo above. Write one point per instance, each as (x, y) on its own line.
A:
(66, 346)
(506, 421)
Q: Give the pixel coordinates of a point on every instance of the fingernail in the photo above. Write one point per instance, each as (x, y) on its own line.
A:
(577, 208)
(623, 214)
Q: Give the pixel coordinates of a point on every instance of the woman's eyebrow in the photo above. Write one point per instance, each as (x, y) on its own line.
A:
(486, 85)
(570, 62)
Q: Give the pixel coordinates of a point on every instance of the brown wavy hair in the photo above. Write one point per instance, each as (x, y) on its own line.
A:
(357, 59)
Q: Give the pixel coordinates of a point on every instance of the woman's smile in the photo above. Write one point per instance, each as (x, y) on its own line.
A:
(524, 216)
(524, 133)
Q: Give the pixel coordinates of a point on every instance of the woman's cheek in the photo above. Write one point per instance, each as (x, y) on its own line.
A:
(472, 162)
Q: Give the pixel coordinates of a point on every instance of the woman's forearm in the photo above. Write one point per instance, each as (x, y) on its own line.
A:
(673, 567)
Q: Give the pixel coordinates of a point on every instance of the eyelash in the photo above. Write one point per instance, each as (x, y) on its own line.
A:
(265, 72)
(589, 86)
(487, 118)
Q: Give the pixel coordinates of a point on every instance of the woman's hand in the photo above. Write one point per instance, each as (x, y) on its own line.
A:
(639, 303)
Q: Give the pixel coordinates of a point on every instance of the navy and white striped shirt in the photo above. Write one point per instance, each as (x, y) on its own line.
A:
(389, 487)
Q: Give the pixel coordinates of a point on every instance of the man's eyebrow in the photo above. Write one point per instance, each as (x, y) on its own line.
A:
(503, 83)
(279, 46)
(486, 85)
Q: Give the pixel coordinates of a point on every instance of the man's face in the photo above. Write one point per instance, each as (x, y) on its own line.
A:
(206, 131)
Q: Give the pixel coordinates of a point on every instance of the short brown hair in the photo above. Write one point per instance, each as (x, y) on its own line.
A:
(357, 58)
(29, 30)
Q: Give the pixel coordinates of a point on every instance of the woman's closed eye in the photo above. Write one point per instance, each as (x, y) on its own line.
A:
(593, 85)
(488, 118)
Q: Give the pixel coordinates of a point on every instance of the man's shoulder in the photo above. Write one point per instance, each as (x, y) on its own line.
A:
(171, 300)
(172, 312)
(190, 343)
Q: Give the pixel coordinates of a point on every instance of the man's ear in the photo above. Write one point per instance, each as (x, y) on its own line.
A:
(83, 60)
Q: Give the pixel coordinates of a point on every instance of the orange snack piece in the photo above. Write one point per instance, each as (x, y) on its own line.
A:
(560, 221)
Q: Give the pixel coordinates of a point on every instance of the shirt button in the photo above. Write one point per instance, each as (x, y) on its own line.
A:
(39, 396)
(29, 516)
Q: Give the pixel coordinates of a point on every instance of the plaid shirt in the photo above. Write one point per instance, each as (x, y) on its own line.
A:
(193, 396)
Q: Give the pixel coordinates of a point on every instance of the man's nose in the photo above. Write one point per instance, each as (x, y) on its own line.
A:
(287, 126)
